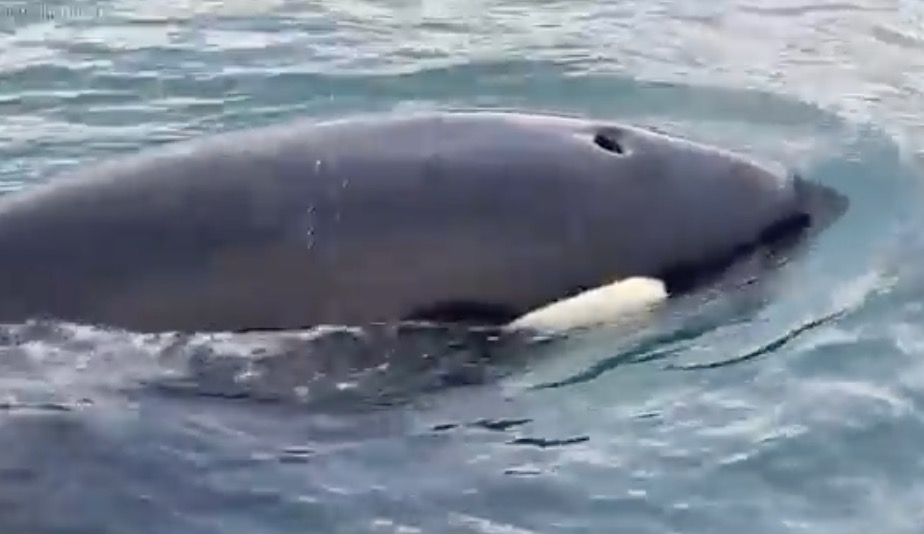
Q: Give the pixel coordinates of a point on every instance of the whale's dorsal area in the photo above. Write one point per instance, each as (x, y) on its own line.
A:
(483, 217)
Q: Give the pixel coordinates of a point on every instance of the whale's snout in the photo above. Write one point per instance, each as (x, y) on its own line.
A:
(822, 205)
(813, 207)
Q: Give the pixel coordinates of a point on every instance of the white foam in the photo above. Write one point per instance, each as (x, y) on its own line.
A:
(596, 306)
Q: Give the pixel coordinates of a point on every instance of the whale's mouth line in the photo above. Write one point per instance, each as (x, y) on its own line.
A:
(777, 243)
(781, 236)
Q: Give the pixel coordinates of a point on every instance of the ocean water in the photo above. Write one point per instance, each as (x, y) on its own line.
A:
(800, 409)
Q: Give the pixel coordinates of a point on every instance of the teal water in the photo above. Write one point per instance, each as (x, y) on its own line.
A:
(800, 409)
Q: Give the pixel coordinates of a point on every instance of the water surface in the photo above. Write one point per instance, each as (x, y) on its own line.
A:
(794, 409)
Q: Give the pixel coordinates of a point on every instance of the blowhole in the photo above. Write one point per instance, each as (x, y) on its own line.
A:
(606, 142)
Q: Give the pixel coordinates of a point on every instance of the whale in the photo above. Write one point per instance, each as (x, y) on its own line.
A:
(474, 217)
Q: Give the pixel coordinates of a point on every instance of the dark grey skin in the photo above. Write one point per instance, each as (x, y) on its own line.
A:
(443, 216)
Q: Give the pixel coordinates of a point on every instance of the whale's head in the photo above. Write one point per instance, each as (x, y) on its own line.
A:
(693, 209)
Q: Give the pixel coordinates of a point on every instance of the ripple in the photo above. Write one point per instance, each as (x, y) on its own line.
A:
(897, 37)
(768, 348)
(811, 9)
